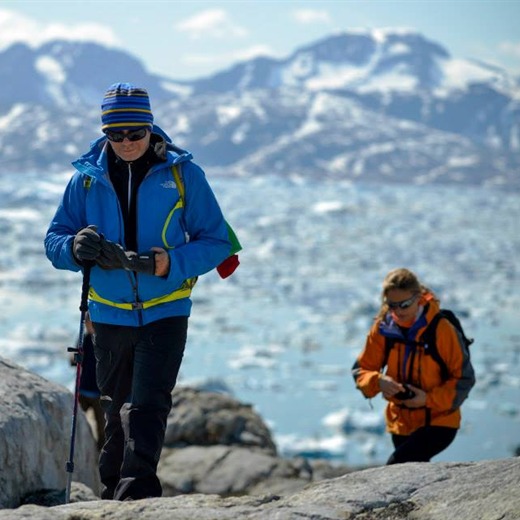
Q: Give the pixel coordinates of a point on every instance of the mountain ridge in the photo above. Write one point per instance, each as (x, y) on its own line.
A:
(408, 87)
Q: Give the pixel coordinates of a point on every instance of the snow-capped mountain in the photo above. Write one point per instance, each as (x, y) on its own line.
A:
(383, 106)
(399, 74)
(301, 134)
(363, 62)
(64, 74)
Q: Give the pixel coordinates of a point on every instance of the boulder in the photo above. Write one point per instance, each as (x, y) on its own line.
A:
(35, 431)
(217, 445)
(52, 497)
(220, 446)
(230, 470)
(201, 418)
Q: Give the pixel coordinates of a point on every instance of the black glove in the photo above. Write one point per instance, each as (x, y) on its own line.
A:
(140, 262)
(113, 256)
(87, 244)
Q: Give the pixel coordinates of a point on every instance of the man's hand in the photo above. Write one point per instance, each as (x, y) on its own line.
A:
(113, 256)
(162, 261)
(87, 244)
(139, 262)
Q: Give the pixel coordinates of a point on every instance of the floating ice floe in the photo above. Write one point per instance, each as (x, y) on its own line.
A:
(326, 448)
(511, 380)
(508, 408)
(324, 386)
(255, 357)
(332, 370)
(327, 206)
(476, 404)
(349, 421)
(369, 448)
(215, 385)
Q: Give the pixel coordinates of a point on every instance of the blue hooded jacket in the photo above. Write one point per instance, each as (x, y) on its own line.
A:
(196, 236)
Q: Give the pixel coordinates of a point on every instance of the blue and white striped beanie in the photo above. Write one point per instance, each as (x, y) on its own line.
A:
(124, 107)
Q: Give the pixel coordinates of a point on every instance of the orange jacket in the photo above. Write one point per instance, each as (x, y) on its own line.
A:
(444, 398)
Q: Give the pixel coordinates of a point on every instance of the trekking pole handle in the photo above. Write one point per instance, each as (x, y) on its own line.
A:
(87, 266)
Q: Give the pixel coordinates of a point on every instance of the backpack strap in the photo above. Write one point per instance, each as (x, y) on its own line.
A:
(229, 265)
(87, 182)
(180, 204)
(454, 320)
(178, 181)
(429, 341)
(389, 345)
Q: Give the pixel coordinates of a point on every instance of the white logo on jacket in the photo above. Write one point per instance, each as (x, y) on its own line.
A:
(169, 185)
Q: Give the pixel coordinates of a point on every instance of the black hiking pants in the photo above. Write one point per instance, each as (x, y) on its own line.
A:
(137, 369)
(423, 444)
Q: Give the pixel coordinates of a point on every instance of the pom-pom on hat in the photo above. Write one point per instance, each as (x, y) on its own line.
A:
(124, 107)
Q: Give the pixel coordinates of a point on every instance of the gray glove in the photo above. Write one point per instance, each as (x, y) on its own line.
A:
(87, 244)
(113, 256)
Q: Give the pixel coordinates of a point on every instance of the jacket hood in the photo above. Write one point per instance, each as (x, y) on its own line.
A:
(94, 162)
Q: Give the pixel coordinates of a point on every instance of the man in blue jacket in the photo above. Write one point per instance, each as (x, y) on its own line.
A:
(122, 213)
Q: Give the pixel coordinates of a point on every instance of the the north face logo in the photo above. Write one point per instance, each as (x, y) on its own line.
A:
(169, 185)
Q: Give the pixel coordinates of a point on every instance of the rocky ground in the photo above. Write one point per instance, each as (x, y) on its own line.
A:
(219, 462)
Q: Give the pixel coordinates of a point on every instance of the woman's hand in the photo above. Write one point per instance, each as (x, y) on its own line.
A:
(389, 386)
(418, 401)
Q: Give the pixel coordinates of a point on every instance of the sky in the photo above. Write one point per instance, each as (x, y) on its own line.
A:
(193, 39)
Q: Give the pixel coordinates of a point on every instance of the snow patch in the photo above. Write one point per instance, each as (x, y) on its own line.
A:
(463, 162)
(176, 88)
(398, 49)
(13, 114)
(51, 68)
(226, 114)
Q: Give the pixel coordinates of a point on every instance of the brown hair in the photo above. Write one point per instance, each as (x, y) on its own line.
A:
(403, 279)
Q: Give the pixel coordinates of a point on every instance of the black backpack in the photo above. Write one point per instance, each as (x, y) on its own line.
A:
(428, 339)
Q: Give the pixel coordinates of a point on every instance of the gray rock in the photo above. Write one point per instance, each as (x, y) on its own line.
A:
(415, 491)
(230, 470)
(35, 429)
(207, 418)
(53, 497)
(231, 454)
(227, 449)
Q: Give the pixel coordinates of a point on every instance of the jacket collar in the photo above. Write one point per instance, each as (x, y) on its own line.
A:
(95, 161)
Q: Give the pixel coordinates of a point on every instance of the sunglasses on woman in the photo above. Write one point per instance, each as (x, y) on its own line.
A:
(403, 304)
(118, 136)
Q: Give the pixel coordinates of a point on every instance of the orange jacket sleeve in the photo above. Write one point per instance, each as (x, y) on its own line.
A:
(367, 367)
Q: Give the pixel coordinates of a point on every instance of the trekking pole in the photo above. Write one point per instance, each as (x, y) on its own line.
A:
(78, 358)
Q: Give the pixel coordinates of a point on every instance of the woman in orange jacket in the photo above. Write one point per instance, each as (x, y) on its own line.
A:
(424, 422)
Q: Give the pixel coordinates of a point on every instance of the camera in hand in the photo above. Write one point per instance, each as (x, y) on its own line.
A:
(406, 394)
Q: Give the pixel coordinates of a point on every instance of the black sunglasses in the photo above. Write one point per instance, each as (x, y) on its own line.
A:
(404, 304)
(118, 136)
